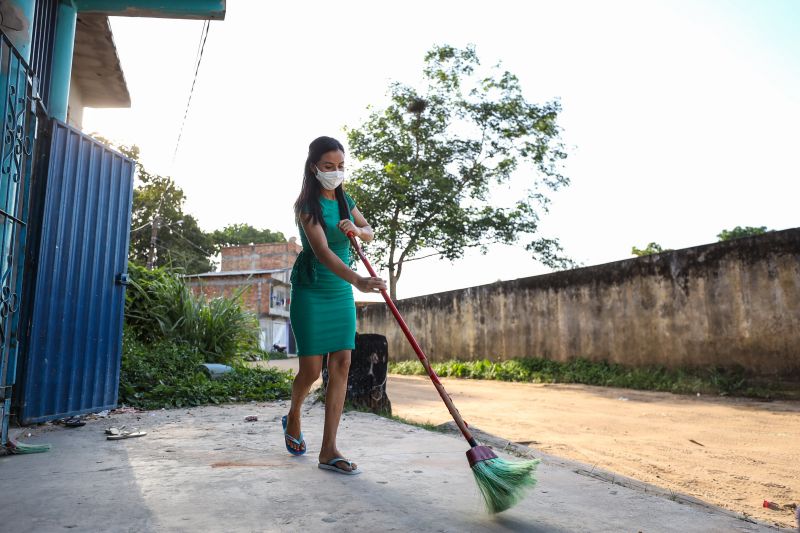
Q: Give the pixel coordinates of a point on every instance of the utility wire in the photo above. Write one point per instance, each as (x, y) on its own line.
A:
(179, 234)
(203, 37)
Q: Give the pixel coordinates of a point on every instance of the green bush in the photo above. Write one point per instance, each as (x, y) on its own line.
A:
(539, 370)
(166, 373)
(139, 300)
(159, 305)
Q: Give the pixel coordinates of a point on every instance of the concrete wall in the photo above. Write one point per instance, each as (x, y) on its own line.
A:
(75, 107)
(735, 302)
(260, 256)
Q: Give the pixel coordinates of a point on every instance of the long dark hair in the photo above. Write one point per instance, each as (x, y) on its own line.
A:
(308, 201)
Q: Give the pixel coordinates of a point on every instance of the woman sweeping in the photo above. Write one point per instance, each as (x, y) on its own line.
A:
(322, 309)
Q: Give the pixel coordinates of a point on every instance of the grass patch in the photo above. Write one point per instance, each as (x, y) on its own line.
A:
(716, 381)
(165, 374)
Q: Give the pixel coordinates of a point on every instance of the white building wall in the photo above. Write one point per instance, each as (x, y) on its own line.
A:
(75, 105)
(274, 330)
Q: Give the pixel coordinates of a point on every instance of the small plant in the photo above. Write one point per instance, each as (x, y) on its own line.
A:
(728, 381)
(539, 370)
(650, 249)
(738, 232)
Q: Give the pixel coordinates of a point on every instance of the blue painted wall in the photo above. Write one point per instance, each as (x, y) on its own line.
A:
(18, 24)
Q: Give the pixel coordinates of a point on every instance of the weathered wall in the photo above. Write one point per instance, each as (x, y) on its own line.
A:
(75, 105)
(256, 296)
(260, 256)
(735, 302)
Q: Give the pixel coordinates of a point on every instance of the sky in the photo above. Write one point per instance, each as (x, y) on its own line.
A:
(680, 118)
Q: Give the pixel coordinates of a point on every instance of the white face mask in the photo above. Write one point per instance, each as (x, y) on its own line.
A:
(330, 180)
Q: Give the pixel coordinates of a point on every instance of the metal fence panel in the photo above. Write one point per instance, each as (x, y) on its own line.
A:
(73, 353)
(42, 40)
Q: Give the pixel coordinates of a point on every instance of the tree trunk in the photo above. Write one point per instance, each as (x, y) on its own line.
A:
(366, 382)
(392, 284)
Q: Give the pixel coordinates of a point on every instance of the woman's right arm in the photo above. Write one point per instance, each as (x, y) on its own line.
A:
(319, 243)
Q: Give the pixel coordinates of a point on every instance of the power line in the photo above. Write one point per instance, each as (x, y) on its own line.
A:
(203, 37)
(165, 244)
(179, 234)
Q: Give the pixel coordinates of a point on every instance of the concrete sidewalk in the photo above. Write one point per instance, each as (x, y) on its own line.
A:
(205, 469)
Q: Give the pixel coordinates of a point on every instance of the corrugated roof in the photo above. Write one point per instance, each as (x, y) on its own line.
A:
(235, 273)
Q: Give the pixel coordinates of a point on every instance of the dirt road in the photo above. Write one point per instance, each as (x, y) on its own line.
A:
(734, 453)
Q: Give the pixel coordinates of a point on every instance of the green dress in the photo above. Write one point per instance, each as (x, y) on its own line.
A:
(322, 310)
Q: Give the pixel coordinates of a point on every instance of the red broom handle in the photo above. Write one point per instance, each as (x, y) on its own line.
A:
(420, 354)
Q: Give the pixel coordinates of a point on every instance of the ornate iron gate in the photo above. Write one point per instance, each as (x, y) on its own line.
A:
(18, 105)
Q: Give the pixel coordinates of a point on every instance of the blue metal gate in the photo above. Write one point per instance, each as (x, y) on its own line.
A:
(77, 268)
(17, 104)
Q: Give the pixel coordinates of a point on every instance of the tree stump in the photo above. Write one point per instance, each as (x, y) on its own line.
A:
(366, 384)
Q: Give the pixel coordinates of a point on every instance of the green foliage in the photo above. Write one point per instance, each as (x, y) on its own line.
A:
(738, 232)
(242, 234)
(161, 306)
(179, 240)
(138, 300)
(166, 374)
(158, 200)
(652, 248)
(431, 159)
(721, 381)
(180, 243)
(729, 380)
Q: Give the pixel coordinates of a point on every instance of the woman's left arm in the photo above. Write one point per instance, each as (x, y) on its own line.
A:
(361, 227)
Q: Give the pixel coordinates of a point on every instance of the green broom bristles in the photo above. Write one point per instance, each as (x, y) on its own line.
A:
(20, 447)
(503, 483)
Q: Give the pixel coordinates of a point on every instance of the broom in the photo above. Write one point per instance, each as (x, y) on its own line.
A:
(16, 447)
(502, 483)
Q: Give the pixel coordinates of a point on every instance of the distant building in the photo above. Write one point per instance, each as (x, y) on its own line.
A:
(263, 271)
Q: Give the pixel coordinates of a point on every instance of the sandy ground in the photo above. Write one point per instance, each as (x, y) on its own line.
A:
(734, 453)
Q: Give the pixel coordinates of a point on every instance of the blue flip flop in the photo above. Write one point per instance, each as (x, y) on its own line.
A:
(299, 442)
(331, 465)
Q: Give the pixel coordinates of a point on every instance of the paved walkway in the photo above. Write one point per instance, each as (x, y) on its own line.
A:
(206, 469)
(748, 454)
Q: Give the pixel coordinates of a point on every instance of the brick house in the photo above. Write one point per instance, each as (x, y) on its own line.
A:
(263, 270)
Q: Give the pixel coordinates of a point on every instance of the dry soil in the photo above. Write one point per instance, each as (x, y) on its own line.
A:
(731, 452)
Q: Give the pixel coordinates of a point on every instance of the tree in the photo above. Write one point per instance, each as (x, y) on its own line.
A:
(159, 228)
(431, 158)
(738, 231)
(652, 248)
(241, 234)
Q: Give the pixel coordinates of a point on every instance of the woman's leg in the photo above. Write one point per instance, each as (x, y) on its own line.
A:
(310, 367)
(338, 369)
